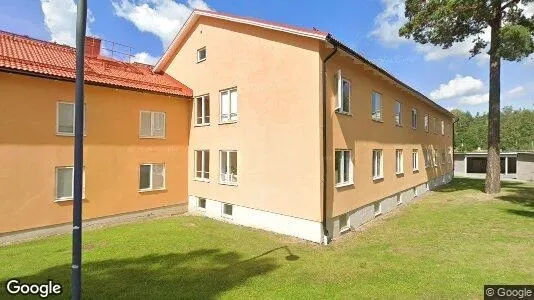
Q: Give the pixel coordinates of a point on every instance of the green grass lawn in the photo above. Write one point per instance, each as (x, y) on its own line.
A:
(446, 246)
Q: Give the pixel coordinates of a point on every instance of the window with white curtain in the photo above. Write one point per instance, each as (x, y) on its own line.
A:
(151, 124)
(228, 167)
(151, 177)
(65, 118)
(202, 108)
(415, 160)
(376, 106)
(414, 118)
(228, 108)
(426, 122)
(378, 168)
(343, 167)
(202, 164)
(343, 94)
(65, 183)
(398, 113)
(399, 162)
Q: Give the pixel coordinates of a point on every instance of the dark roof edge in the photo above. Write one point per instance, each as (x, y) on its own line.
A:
(333, 41)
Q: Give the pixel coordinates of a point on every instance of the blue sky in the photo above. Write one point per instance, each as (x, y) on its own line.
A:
(368, 26)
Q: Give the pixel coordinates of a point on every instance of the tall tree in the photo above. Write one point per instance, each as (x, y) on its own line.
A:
(445, 22)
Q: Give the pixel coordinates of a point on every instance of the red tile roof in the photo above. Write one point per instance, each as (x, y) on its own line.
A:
(28, 55)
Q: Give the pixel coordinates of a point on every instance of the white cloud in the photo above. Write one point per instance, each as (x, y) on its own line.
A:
(474, 99)
(60, 20)
(390, 20)
(163, 18)
(145, 58)
(527, 9)
(459, 86)
(516, 91)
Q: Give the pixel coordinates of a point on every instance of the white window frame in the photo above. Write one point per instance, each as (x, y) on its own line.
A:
(226, 177)
(232, 116)
(224, 214)
(379, 112)
(205, 54)
(442, 127)
(414, 190)
(70, 198)
(340, 96)
(443, 156)
(152, 134)
(415, 160)
(414, 118)
(427, 122)
(435, 125)
(435, 157)
(377, 207)
(344, 227)
(399, 113)
(58, 103)
(378, 171)
(204, 174)
(341, 167)
(399, 162)
(399, 198)
(151, 188)
(205, 116)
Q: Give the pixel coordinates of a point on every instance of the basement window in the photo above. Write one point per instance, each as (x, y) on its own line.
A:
(202, 203)
(343, 223)
(378, 208)
(228, 210)
(399, 199)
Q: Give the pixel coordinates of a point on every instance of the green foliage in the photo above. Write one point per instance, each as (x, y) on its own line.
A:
(445, 22)
(517, 130)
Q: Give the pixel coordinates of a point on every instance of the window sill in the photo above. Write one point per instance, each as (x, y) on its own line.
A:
(67, 134)
(344, 113)
(153, 137)
(399, 125)
(199, 61)
(344, 229)
(378, 178)
(416, 170)
(344, 184)
(228, 122)
(152, 190)
(201, 180)
(67, 200)
(228, 183)
(378, 214)
(202, 125)
(399, 173)
(227, 217)
(377, 120)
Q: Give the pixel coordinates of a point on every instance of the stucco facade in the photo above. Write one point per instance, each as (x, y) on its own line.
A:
(30, 150)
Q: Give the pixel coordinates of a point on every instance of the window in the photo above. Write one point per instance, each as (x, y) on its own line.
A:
(377, 164)
(414, 191)
(434, 125)
(442, 128)
(398, 113)
(443, 157)
(151, 177)
(415, 160)
(228, 167)
(378, 208)
(343, 94)
(343, 222)
(201, 54)
(228, 210)
(202, 107)
(414, 118)
(65, 183)
(399, 199)
(399, 161)
(65, 118)
(202, 203)
(426, 122)
(434, 157)
(152, 124)
(343, 167)
(376, 103)
(229, 105)
(202, 164)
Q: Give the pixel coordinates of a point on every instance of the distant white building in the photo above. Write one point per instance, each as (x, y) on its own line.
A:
(514, 165)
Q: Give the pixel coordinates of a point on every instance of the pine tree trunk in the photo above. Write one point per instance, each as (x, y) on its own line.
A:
(493, 170)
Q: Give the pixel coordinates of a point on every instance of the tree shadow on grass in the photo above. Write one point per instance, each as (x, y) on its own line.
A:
(203, 274)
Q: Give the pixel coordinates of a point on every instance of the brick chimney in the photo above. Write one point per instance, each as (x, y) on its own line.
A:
(92, 46)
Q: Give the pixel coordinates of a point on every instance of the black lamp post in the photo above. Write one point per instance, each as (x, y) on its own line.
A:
(76, 284)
